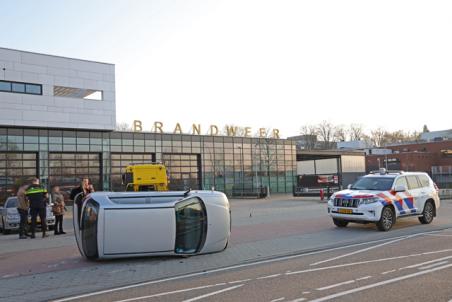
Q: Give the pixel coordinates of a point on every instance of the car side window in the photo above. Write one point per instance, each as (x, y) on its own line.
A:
(401, 181)
(423, 179)
(412, 182)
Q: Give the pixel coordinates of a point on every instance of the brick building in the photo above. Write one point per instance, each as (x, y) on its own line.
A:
(434, 158)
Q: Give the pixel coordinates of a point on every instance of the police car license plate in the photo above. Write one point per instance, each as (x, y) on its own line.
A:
(345, 211)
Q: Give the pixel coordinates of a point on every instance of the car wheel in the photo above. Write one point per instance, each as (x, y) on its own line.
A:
(427, 213)
(4, 230)
(340, 223)
(387, 219)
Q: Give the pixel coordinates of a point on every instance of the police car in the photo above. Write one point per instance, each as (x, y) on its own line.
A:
(383, 197)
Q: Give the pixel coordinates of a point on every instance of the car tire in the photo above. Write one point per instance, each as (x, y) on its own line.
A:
(428, 213)
(340, 223)
(387, 219)
(4, 230)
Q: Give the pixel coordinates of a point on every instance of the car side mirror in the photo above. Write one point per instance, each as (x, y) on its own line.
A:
(400, 188)
(349, 186)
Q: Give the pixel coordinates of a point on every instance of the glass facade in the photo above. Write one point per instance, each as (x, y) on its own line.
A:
(63, 157)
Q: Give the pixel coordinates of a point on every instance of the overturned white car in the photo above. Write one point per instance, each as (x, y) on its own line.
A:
(113, 225)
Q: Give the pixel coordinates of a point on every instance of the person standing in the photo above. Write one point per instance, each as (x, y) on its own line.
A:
(37, 196)
(22, 207)
(58, 210)
(79, 193)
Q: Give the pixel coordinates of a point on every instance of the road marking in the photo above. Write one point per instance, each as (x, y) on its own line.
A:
(349, 264)
(439, 235)
(306, 293)
(336, 285)
(435, 252)
(425, 263)
(227, 268)
(298, 300)
(277, 300)
(433, 265)
(364, 278)
(358, 289)
(268, 277)
(213, 293)
(239, 281)
(362, 250)
(387, 272)
(10, 275)
(171, 292)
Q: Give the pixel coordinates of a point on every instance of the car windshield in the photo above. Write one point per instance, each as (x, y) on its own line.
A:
(12, 203)
(373, 183)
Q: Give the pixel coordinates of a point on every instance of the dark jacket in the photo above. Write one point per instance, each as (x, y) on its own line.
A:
(37, 196)
(75, 191)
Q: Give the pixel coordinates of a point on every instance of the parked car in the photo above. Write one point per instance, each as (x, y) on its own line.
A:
(10, 219)
(384, 197)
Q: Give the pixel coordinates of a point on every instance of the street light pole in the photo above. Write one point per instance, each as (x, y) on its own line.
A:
(242, 167)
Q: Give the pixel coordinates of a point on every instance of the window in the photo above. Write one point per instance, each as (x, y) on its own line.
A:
(18, 87)
(425, 182)
(191, 226)
(33, 89)
(5, 86)
(373, 183)
(412, 182)
(79, 93)
(12, 203)
(401, 181)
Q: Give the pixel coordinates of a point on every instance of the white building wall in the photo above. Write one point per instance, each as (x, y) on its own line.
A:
(319, 166)
(326, 166)
(46, 110)
(356, 164)
(305, 167)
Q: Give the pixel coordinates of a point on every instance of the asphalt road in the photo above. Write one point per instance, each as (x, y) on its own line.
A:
(408, 268)
(271, 241)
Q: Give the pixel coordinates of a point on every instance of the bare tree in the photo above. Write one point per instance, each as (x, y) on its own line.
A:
(356, 132)
(340, 133)
(122, 126)
(266, 153)
(378, 137)
(326, 133)
(309, 133)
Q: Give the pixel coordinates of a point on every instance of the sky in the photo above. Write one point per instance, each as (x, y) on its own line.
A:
(274, 64)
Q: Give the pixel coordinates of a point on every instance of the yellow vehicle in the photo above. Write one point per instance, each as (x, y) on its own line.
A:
(145, 177)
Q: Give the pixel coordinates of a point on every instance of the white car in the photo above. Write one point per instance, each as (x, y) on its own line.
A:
(136, 224)
(383, 197)
(10, 218)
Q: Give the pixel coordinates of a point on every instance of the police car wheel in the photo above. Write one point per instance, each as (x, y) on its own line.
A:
(427, 213)
(340, 223)
(387, 219)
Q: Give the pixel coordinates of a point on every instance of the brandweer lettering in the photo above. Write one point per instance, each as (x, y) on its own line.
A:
(212, 130)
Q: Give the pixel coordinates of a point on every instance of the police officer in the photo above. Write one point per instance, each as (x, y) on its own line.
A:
(37, 195)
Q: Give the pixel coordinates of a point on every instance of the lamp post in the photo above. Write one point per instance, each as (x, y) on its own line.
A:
(242, 167)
